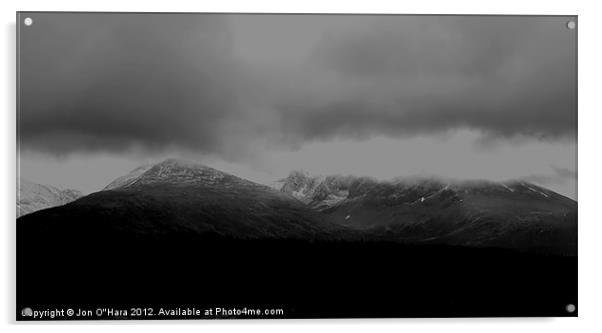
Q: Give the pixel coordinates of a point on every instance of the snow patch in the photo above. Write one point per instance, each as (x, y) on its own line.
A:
(536, 191)
(334, 199)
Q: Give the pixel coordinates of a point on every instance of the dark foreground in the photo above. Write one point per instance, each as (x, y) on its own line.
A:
(325, 279)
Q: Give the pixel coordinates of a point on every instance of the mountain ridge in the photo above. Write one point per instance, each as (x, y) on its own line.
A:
(176, 196)
(309, 188)
(193, 198)
(509, 214)
(33, 197)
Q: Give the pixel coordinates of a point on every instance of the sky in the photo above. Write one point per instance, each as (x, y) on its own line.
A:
(461, 97)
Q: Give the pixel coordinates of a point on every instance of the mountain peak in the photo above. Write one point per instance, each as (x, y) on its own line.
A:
(181, 169)
(180, 163)
(175, 172)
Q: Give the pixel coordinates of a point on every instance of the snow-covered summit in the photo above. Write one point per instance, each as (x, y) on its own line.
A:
(328, 191)
(32, 197)
(318, 191)
(175, 172)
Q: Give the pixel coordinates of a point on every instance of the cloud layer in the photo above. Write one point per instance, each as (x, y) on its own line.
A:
(227, 84)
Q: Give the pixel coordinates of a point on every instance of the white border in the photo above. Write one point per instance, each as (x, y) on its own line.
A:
(590, 187)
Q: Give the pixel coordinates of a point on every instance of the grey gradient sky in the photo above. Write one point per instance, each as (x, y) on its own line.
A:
(259, 95)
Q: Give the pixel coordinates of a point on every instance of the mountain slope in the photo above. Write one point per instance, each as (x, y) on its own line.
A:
(33, 197)
(513, 214)
(319, 192)
(181, 233)
(127, 179)
(185, 198)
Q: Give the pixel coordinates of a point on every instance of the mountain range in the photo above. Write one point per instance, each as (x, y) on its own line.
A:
(33, 197)
(188, 197)
(511, 214)
(184, 197)
(183, 233)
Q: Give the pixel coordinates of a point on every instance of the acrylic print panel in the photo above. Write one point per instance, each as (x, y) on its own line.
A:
(201, 166)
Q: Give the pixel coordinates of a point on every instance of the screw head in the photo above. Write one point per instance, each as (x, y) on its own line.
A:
(570, 308)
(28, 21)
(571, 25)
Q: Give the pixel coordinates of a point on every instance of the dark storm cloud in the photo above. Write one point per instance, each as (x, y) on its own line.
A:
(214, 84)
(505, 76)
(106, 82)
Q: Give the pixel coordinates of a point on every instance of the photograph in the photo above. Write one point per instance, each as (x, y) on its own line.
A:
(191, 166)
